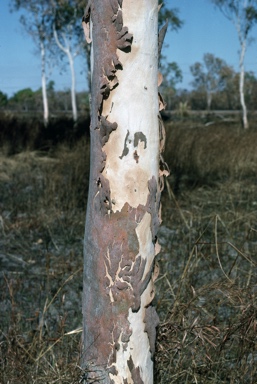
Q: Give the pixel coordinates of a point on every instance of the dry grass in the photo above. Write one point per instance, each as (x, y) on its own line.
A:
(42, 211)
(210, 153)
(206, 292)
(206, 295)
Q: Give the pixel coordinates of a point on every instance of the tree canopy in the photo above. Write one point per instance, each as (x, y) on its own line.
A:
(243, 13)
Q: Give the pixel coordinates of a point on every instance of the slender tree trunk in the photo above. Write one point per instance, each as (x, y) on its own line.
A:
(73, 86)
(241, 84)
(66, 49)
(88, 51)
(43, 82)
(124, 194)
(209, 100)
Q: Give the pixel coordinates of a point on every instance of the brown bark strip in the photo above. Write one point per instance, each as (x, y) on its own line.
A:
(100, 331)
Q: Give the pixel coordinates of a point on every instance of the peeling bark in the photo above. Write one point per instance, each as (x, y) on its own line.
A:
(123, 213)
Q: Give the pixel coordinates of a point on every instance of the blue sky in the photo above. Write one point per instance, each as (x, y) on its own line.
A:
(205, 30)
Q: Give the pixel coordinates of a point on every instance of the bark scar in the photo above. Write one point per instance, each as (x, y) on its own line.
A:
(125, 149)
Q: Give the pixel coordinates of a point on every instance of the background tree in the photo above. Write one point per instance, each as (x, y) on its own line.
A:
(243, 14)
(228, 97)
(3, 99)
(36, 22)
(170, 15)
(23, 100)
(124, 193)
(251, 90)
(67, 33)
(209, 76)
(172, 75)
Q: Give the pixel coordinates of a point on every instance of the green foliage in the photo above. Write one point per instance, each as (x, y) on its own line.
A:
(67, 16)
(210, 76)
(3, 99)
(35, 18)
(170, 71)
(50, 86)
(242, 13)
(171, 15)
(23, 94)
(172, 75)
(23, 100)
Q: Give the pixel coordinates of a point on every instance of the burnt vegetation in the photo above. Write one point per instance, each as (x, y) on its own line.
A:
(206, 290)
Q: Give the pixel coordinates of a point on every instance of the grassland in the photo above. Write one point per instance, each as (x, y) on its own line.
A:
(205, 293)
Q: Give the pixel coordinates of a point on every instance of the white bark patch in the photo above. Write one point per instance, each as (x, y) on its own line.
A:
(141, 356)
(137, 348)
(131, 163)
(122, 356)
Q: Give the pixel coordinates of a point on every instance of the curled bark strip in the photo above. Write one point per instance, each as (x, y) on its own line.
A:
(161, 37)
(86, 23)
(162, 103)
(106, 129)
(151, 322)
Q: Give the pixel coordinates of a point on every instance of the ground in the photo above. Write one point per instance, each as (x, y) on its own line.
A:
(205, 293)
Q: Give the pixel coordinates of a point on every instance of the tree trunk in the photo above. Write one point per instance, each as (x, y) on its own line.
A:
(88, 76)
(67, 50)
(43, 82)
(73, 87)
(241, 85)
(209, 100)
(124, 195)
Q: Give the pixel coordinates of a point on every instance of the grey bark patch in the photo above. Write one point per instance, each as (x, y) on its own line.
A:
(154, 205)
(125, 149)
(161, 36)
(151, 322)
(106, 129)
(115, 6)
(110, 276)
(135, 372)
(139, 136)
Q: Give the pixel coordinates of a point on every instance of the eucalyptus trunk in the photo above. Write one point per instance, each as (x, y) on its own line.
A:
(43, 83)
(73, 86)
(67, 50)
(241, 84)
(124, 194)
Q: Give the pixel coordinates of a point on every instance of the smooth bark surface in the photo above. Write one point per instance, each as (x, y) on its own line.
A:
(43, 82)
(124, 195)
(241, 84)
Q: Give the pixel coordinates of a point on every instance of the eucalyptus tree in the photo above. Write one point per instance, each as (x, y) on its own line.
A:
(123, 212)
(172, 75)
(209, 76)
(243, 14)
(36, 22)
(67, 34)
